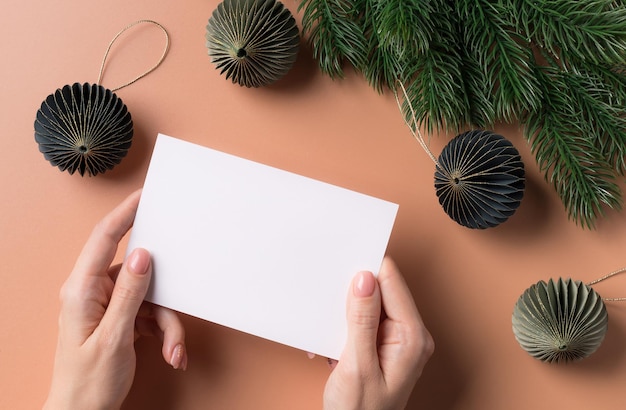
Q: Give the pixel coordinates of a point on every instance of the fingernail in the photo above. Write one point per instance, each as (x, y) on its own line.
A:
(310, 355)
(177, 357)
(364, 284)
(138, 262)
(184, 365)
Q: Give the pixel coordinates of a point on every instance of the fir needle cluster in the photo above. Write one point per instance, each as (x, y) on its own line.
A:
(558, 67)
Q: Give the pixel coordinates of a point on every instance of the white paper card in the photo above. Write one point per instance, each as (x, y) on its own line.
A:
(255, 248)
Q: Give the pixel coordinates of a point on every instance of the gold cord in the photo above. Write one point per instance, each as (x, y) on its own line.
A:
(593, 282)
(106, 54)
(416, 133)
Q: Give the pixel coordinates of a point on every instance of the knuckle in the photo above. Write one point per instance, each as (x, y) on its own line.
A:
(128, 293)
(69, 294)
(428, 345)
(105, 228)
(103, 225)
(419, 341)
(364, 319)
(110, 339)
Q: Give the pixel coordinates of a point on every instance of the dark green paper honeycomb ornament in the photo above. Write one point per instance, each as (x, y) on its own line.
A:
(479, 179)
(560, 321)
(253, 42)
(83, 128)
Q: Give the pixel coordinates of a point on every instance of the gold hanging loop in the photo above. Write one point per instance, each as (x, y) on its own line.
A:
(415, 132)
(593, 282)
(151, 69)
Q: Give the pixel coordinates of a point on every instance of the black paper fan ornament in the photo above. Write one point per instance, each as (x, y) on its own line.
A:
(254, 42)
(84, 128)
(479, 175)
(479, 179)
(560, 321)
(87, 128)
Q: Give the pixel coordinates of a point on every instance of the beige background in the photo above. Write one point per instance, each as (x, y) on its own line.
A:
(465, 282)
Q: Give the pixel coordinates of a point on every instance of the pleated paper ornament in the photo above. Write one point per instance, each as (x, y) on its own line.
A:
(87, 128)
(479, 175)
(84, 128)
(561, 321)
(479, 179)
(252, 42)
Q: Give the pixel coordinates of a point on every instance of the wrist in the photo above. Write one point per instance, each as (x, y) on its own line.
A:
(59, 403)
(72, 397)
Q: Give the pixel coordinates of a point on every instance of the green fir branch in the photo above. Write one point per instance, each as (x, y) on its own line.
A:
(592, 29)
(614, 79)
(478, 89)
(403, 26)
(382, 68)
(436, 88)
(397, 30)
(603, 122)
(334, 34)
(582, 178)
(503, 54)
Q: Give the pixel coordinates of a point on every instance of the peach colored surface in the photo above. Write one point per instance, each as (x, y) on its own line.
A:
(465, 282)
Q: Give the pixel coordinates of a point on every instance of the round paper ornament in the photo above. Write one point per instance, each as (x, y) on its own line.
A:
(479, 176)
(254, 42)
(84, 128)
(87, 128)
(560, 321)
(479, 179)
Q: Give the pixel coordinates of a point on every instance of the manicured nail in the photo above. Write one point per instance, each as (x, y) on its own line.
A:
(310, 355)
(364, 284)
(184, 365)
(177, 357)
(138, 262)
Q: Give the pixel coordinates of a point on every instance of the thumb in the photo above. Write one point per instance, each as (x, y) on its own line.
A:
(130, 290)
(363, 315)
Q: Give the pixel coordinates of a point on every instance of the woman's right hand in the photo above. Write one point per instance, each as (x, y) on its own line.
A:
(384, 355)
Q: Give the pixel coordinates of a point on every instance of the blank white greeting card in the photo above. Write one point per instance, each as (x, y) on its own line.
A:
(255, 248)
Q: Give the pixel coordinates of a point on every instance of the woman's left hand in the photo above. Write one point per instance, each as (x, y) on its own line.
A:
(102, 314)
